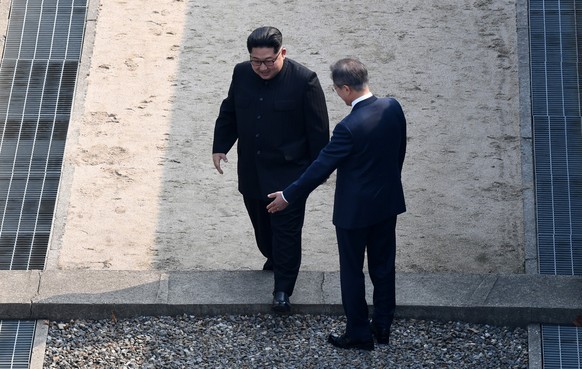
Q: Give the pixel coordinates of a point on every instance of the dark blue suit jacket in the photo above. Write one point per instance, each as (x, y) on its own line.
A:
(367, 148)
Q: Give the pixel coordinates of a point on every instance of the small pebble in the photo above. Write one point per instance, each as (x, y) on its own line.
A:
(272, 341)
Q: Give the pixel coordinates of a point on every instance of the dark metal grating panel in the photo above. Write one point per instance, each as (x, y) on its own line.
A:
(561, 347)
(555, 32)
(45, 32)
(555, 35)
(558, 148)
(16, 339)
(37, 83)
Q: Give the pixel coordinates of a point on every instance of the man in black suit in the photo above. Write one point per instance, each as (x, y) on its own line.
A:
(367, 148)
(276, 110)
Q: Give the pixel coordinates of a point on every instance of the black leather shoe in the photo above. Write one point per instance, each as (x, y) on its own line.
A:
(345, 342)
(281, 302)
(382, 335)
(268, 265)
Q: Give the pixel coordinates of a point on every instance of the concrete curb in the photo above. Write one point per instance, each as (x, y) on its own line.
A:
(511, 300)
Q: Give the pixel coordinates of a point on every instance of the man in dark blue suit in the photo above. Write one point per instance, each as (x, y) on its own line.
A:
(367, 148)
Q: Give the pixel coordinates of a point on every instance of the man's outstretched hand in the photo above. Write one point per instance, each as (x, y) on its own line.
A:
(278, 203)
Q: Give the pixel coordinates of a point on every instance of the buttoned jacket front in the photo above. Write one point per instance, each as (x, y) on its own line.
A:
(280, 124)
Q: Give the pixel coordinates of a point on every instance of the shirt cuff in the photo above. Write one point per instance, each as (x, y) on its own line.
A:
(283, 196)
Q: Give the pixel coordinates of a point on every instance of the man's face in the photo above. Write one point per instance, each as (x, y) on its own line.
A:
(265, 62)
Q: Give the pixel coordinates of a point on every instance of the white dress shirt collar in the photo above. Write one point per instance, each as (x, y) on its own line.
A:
(363, 97)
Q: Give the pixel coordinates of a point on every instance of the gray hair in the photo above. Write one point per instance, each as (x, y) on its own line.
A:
(350, 72)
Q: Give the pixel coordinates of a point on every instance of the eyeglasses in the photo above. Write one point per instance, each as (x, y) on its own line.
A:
(268, 63)
(335, 88)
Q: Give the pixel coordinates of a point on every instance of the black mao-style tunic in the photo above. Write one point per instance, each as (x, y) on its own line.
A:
(280, 124)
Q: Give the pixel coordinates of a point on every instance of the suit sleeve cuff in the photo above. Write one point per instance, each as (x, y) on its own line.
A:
(283, 196)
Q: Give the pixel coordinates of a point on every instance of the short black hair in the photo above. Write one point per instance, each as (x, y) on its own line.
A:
(350, 72)
(265, 37)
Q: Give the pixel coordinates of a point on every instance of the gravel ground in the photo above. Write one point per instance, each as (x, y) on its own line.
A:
(268, 341)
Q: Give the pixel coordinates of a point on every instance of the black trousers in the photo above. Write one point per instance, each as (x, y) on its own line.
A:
(380, 242)
(278, 237)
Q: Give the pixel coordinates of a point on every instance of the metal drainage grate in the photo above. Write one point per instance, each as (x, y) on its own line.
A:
(555, 34)
(16, 338)
(37, 83)
(562, 347)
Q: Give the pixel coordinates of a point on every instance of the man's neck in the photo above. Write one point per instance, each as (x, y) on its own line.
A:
(361, 95)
